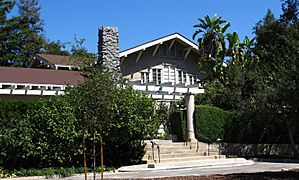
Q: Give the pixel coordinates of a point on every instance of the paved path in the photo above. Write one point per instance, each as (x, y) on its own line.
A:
(199, 171)
(194, 171)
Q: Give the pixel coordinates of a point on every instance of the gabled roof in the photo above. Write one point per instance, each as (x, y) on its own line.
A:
(39, 76)
(57, 59)
(161, 40)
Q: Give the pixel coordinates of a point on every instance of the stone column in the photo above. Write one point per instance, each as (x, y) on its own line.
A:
(190, 112)
(108, 49)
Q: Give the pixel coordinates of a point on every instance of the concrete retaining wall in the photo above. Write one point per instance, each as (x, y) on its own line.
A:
(258, 150)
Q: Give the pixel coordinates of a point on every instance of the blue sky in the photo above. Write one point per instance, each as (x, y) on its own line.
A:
(140, 21)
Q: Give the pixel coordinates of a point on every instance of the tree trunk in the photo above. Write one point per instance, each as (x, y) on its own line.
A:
(94, 155)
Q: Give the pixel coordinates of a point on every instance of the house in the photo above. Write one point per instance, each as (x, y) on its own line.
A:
(168, 63)
(32, 83)
(57, 62)
(165, 69)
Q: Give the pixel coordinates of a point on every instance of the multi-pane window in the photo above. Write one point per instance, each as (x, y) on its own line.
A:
(157, 76)
(191, 78)
(144, 77)
(180, 77)
(184, 77)
(168, 74)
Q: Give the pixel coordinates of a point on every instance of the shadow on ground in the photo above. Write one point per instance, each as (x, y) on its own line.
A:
(286, 175)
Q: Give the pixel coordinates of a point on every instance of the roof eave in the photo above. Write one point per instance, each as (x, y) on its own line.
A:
(156, 42)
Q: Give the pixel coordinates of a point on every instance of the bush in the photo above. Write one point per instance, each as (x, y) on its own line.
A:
(210, 122)
(40, 133)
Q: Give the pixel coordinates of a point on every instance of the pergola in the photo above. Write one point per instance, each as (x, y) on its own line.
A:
(174, 93)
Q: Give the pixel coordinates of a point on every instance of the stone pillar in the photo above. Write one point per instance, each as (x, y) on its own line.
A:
(190, 112)
(108, 50)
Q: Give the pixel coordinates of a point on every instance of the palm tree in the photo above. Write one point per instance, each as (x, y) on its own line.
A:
(211, 45)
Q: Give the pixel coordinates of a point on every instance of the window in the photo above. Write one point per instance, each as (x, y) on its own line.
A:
(191, 78)
(180, 77)
(157, 76)
(184, 77)
(144, 77)
(168, 74)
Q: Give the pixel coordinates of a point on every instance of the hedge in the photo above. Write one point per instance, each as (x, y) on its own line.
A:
(46, 133)
(210, 122)
(40, 133)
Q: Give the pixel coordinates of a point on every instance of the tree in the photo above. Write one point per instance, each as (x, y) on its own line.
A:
(93, 101)
(279, 53)
(119, 118)
(54, 47)
(211, 45)
(8, 33)
(290, 10)
(30, 34)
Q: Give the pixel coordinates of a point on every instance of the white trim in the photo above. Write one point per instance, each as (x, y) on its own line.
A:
(156, 42)
(32, 89)
(167, 92)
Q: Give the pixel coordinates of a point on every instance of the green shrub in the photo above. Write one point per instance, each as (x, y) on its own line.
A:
(40, 133)
(210, 122)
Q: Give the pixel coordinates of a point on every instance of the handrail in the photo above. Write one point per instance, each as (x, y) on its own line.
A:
(153, 152)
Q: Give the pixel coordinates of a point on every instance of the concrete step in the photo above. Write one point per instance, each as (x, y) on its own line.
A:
(179, 151)
(185, 159)
(182, 155)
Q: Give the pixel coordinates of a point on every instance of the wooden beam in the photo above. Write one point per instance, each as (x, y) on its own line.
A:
(187, 53)
(171, 44)
(139, 55)
(156, 49)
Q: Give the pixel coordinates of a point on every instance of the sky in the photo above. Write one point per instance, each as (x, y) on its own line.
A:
(140, 21)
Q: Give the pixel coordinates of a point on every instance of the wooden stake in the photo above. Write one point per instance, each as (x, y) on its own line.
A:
(102, 157)
(84, 154)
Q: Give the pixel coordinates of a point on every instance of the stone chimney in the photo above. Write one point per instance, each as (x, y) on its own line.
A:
(108, 49)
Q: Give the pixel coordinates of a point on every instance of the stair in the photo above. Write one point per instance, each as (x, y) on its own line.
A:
(179, 151)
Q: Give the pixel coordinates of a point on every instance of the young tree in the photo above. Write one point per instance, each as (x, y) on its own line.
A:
(118, 117)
